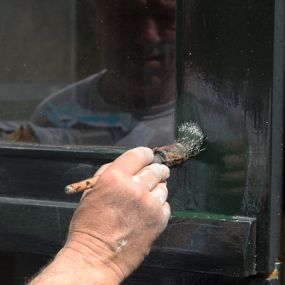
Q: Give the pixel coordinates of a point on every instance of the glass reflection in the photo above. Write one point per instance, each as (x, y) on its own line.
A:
(126, 96)
(227, 68)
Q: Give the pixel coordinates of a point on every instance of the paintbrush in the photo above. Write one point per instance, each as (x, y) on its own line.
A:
(189, 143)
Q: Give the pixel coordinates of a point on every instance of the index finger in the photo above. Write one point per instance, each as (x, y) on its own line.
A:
(133, 160)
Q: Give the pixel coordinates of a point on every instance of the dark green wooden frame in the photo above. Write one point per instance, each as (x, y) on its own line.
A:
(39, 225)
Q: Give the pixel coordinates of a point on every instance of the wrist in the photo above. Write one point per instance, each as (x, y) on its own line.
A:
(72, 268)
(95, 254)
(91, 271)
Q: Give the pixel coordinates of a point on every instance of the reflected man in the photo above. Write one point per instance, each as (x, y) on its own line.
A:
(131, 101)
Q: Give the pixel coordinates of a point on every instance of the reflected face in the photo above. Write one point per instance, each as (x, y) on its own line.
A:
(139, 42)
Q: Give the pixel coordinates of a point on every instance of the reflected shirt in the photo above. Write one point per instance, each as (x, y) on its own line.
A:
(78, 114)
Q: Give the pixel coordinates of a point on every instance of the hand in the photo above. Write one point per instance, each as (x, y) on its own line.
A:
(115, 224)
(22, 134)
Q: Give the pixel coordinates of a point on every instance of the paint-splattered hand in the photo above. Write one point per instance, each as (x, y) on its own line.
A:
(118, 220)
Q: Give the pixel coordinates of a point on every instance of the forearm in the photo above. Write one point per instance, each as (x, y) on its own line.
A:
(70, 268)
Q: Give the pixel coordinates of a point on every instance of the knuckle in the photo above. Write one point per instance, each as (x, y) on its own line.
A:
(142, 152)
(137, 192)
(167, 210)
(164, 188)
(102, 169)
(152, 206)
(166, 214)
(159, 195)
(112, 176)
(158, 171)
(138, 183)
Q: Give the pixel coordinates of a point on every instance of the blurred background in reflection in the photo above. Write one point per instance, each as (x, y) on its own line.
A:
(88, 72)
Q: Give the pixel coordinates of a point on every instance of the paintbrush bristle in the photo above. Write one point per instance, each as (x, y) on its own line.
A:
(191, 137)
(189, 143)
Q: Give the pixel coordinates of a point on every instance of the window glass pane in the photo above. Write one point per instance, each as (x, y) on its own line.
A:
(87, 72)
(227, 89)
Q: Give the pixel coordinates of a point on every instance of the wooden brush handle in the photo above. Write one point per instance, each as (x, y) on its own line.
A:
(169, 155)
(82, 185)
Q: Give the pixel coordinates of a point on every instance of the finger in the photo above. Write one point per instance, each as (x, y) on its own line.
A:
(102, 169)
(94, 179)
(133, 160)
(85, 184)
(151, 175)
(84, 193)
(166, 213)
(159, 193)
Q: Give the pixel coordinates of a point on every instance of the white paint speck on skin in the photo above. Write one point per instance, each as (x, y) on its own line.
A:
(121, 244)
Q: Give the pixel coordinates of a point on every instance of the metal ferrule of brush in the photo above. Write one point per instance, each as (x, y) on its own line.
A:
(170, 155)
